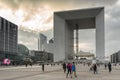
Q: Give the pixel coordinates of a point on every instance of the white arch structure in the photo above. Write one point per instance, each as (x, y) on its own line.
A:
(64, 25)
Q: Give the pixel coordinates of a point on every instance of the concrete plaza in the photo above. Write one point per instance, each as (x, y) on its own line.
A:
(56, 73)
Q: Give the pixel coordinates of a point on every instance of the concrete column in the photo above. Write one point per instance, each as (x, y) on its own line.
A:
(59, 38)
(100, 44)
(68, 41)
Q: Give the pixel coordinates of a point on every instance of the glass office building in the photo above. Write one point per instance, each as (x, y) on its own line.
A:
(8, 39)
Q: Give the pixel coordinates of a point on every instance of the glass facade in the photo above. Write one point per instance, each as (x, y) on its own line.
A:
(115, 58)
(8, 38)
(41, 42)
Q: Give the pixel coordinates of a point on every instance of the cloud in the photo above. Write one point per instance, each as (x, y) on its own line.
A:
(35, 16)
(112, 28)
(28, 39)
(89, 35)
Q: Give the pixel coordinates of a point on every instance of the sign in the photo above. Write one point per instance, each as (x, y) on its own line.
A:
(6, 61)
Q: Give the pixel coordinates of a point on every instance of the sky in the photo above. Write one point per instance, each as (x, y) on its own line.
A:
(36, 16)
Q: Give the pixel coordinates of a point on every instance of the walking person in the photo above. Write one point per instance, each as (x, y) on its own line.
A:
(105, 65)
(69, 67)
(74, 69)
(109, 67)
(43, 67)
(64, 67)
(95, 69)
(26, 63)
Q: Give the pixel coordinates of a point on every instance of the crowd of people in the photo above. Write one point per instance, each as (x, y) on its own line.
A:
(70, 68)
(95, 70)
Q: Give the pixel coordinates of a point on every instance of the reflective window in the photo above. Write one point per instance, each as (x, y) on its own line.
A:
(0, 24)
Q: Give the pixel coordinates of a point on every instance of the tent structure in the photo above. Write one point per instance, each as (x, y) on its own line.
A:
(84, 54)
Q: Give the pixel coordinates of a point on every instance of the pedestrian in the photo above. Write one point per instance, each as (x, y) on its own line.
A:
(105, 65)
(95, 69)
(69, 67)
(64, 67)
(109, 67)
(74, 69)
(43, 67)
(26, 64)
(31, 64)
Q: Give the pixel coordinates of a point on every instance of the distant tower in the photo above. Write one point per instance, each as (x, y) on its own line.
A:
(42, 41)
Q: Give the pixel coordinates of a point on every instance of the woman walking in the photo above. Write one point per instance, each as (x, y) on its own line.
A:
(69, 67)
(74, 69)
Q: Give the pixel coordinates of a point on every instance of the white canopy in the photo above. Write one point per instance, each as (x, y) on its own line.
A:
(84, 54)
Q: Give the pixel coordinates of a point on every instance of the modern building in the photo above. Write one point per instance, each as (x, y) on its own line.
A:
(23, 52)
(38, 56)
(65, 22)
(115, 57)
(45, 50)
(8, 39)
(42, 41)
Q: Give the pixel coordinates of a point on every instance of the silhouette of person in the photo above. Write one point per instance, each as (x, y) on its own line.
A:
(64, 67)
(109, 67)
(43, 67)
(74, 69)
(69, 67)
(95, 68)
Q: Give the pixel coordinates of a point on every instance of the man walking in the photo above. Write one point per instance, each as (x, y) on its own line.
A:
(109, 67)
(43, 67)
(69, 67)
(64, 67)
(95, 68)
(74, 69)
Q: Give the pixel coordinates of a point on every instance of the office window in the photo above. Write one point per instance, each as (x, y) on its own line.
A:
(2, 24)
(6, 26)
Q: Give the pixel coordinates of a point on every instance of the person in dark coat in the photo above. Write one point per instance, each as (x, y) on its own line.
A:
(105, 65)
(43, 67)
(109, 67)
(95, 68)
(69, 68)
(64, 67)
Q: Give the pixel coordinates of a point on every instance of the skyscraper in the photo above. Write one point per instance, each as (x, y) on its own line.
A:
(42, 41)
(8, 39)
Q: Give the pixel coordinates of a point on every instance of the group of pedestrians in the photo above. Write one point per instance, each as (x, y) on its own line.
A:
(95, 69)
(71, 69)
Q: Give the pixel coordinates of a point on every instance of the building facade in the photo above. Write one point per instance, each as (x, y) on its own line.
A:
(23, 52)
(38, 56)
(42, 41)
(8, 39)
(115, 57)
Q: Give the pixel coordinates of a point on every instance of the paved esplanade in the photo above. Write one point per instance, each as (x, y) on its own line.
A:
(55, 73)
